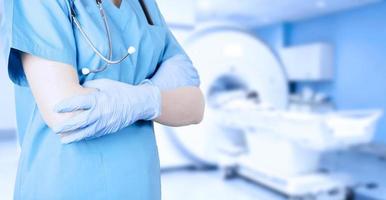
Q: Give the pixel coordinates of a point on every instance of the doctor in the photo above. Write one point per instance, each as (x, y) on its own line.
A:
(91, 77)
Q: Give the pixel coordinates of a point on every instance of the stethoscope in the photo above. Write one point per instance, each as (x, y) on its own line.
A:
(86, 71)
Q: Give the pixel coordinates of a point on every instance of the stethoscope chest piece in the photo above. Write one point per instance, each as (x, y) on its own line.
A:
(108, 61)
(86, 71)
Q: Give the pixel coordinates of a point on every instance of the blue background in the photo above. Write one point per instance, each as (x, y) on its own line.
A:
(359, 40)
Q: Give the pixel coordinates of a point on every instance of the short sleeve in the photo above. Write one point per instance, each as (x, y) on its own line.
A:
(176, 68)
(41, 28)
(172, 46)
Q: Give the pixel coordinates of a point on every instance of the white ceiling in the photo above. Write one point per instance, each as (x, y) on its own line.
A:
(253, 12)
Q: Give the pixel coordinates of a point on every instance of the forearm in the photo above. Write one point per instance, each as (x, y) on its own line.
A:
(50, 83)
(182, 100)
(181, 107)
(54, 119)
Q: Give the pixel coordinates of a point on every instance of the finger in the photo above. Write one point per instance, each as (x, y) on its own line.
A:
(79, 121)
(76, 136)
(81, 102)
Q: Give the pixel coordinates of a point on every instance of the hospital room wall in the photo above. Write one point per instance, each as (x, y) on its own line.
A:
(359, 38)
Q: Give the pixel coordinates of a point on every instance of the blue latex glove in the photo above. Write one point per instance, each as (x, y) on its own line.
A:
(114, 106)
(177, 71)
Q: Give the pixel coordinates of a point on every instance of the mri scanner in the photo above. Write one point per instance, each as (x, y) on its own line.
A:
(249, 128)
(240, 70)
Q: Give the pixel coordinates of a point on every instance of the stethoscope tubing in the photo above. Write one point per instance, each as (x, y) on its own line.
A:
(108, 60)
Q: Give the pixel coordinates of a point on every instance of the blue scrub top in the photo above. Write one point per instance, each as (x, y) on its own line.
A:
(123, 165)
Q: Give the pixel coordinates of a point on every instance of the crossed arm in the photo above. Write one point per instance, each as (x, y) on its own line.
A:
(52, 82)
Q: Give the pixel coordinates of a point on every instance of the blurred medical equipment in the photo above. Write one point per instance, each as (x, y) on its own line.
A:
(250, 123)
(238, 72)
(284, 147)
(130, 50)
(317, 67)
(268, 12)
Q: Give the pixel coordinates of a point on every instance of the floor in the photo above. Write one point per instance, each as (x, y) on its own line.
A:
(176, 185)
(209, 185)
(190, 185)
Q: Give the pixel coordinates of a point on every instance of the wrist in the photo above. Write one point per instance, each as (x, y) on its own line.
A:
(153, 98)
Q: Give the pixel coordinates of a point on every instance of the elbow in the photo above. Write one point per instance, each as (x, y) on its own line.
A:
(198, 120)
(51, 118)
(200, 111)
(56, 120)
(200, 115)
(51, 124)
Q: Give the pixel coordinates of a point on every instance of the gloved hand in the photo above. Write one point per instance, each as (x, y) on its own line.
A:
(114, 106)
(177, 71)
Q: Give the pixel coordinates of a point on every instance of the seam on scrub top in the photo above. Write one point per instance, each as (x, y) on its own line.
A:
(42, 52)
(21, 158)
(45, 52)
(104, 175)
(21, 180)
